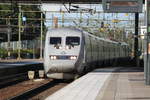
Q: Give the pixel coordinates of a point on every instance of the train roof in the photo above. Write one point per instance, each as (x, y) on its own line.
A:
(64, 28)
(124, 43)
(75, 31)
(100, 38)
(64, 31)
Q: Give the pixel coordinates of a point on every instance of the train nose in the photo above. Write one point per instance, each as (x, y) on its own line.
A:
(62, 67)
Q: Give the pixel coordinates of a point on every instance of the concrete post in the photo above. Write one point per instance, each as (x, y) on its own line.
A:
(41, 47)
(8, 36)
(19, 34)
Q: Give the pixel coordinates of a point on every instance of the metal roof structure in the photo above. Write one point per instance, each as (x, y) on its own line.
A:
(26, 35)
(51, 1)
(3, 35)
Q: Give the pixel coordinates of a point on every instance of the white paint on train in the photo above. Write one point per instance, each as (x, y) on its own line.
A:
(70, 52)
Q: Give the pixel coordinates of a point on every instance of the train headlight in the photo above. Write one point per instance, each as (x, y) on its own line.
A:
(67, 47)
(53, 57)
(73, 57)
(60, 47)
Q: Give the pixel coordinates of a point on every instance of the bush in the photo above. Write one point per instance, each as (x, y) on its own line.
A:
(3, 53)
(24, 53)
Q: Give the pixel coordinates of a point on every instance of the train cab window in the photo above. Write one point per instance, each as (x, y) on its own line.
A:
(55, 40)
(73, 41)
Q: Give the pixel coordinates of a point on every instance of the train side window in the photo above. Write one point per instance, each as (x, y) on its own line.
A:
(55, 40)
(73, 41)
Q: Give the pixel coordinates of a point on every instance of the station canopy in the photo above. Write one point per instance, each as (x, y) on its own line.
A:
(52, 1)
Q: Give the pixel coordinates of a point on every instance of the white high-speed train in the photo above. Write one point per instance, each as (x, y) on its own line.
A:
(70, 52)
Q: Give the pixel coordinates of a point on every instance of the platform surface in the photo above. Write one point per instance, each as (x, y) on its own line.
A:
(13, 67)
(106, 84)
(14, 63)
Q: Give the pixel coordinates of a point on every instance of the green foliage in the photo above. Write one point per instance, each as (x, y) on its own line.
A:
(3, 53)
(25, 53)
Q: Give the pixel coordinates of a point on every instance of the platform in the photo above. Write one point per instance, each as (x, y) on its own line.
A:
(106, 84)
(17, 64)
(10, 68)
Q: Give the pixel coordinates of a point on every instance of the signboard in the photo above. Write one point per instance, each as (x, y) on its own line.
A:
(122, 6)
(31, 75)
(143, 31)
(41, 73)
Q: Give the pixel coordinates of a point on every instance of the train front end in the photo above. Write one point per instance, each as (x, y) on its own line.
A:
(62, 48)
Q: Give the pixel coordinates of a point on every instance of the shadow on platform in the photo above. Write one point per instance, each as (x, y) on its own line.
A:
(119, 69)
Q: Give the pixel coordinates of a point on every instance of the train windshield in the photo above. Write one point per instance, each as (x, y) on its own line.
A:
(73, 41)
(55, 40)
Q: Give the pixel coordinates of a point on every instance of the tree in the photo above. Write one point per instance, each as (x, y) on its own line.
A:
(30, 28)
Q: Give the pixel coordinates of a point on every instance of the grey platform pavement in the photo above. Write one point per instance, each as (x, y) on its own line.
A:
(106, 84)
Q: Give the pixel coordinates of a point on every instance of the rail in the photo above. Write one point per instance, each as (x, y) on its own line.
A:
(32, 92)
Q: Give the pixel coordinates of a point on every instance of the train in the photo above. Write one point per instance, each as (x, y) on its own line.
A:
(70, 52)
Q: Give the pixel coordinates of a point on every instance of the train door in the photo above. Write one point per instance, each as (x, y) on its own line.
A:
(97, 51)
(100, 52)
(94, 52)
(115, 53)
(109, 53)
(104, 53)
(90, 50)
(87, 49)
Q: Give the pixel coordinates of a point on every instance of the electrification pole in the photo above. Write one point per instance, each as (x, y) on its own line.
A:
(41, 48)
(19, 34)
(145, 44)
(147, 38)
(136, 55)
(63, 18)
(8, 37)
(80, 19)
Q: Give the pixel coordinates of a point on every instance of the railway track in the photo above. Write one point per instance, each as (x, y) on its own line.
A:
(35, 91)
(17, 72)
(12, 79)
